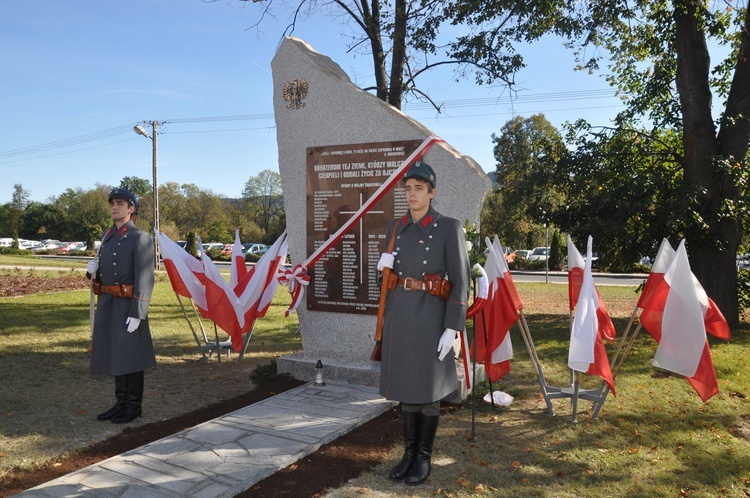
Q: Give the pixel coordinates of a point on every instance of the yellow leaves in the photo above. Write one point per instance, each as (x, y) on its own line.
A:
(515, 465)
(479, 488)
(463, 482)
(57, 464)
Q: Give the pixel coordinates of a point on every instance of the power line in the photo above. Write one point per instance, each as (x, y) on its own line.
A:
(444, 104)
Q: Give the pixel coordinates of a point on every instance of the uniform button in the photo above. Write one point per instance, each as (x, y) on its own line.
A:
(114, 264)
(424, 262)
(398, 249)
(114, 254)
(398, 236)
(426, 248)
(435, 225)
(398, 261)
(400, 273)
(430, 236)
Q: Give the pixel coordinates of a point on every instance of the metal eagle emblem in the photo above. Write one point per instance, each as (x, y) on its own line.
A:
(294, 93)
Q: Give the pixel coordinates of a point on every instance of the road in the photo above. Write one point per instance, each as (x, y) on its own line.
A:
(561, 277)
(555, 277)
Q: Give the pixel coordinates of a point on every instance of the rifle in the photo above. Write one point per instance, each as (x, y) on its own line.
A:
(378, 349)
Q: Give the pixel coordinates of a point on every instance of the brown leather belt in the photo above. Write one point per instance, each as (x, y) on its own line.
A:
(433, 284)
(121, 290)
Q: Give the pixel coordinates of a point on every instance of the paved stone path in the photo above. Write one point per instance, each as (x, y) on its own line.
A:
(229, 454)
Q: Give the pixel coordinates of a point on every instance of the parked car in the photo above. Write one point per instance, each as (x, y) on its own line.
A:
(523, 253)
(539, 254)
(72, 247)
(254, 248)
(227, 249)
(743, 262)
(508, 253)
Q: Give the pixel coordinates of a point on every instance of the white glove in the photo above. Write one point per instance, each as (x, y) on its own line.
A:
(386, 261)
(132, 324)
(91, 267)
(446, 343)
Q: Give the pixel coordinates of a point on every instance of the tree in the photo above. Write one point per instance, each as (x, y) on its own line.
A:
(661, 59)
(624, 187)
(527, 151)
(18, 203)
(263, 192)
(658, 58)
(402, 40)
(139, 187)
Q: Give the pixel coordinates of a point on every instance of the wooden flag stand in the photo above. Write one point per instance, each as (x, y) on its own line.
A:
(211, 346)
(618, 360)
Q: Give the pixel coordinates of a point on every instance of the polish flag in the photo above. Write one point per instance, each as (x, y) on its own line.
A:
(678, 315)
(493, 344)
(183, 270)
(664, 257)
(224, 307)
(576, 264)
(257, 288)
(238, 268)
(482, 292)
(587, 353)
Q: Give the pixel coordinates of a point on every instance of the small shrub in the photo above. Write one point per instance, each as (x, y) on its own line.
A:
(264, 373)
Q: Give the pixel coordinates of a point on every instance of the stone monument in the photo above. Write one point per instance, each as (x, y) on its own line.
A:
(337, 145)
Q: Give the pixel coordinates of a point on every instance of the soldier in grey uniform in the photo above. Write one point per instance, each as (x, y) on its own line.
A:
(423, 313)
(123, 276)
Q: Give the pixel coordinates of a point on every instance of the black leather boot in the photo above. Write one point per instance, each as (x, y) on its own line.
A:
(132, 408)
(121, 394)
(422, 467)
(411, 428)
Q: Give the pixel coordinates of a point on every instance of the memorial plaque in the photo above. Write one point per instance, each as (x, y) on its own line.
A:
(340, 178)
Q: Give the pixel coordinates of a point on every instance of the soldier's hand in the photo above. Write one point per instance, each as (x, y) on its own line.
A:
(132, 324)
(91, 267)
(446, 343)
(386, 261)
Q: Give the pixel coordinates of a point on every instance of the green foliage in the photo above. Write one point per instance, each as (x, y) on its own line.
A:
(743, 292)
(556, 255)
(191, 245)
(264, 373)
(624, 188)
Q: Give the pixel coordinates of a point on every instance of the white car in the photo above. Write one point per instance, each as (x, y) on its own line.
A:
(539, 254)
(523, 253)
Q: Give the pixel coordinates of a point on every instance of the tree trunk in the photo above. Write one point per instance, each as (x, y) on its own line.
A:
(398, 55)
(371, 20)
(713, 246)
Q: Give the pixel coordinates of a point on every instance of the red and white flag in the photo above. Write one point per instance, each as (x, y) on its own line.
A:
(678, 314)
(224, 307)
(258, 287)
(493, 344)
(587, 353)
(576, 264)
(184, 271)
(238, 268)
(655, 280)
(482, 293)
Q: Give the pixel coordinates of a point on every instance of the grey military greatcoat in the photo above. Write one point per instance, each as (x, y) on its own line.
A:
(126, 256)
(413, 321)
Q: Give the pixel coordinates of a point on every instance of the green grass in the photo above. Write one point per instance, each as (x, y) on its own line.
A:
(655, 438)
(33, 260)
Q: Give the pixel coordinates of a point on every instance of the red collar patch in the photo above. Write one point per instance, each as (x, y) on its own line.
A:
(122, 230)
(425, 221)
(404, 220)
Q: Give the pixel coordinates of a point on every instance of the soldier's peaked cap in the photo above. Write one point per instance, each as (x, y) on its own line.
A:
(121, 193)
(423, 171)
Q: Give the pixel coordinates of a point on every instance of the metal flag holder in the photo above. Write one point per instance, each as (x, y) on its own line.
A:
(573, 391)
(207, 345)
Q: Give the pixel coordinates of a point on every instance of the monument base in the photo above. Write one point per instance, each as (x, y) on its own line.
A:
(301, 368)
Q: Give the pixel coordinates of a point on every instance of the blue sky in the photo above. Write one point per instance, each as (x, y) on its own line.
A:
(79, 74)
